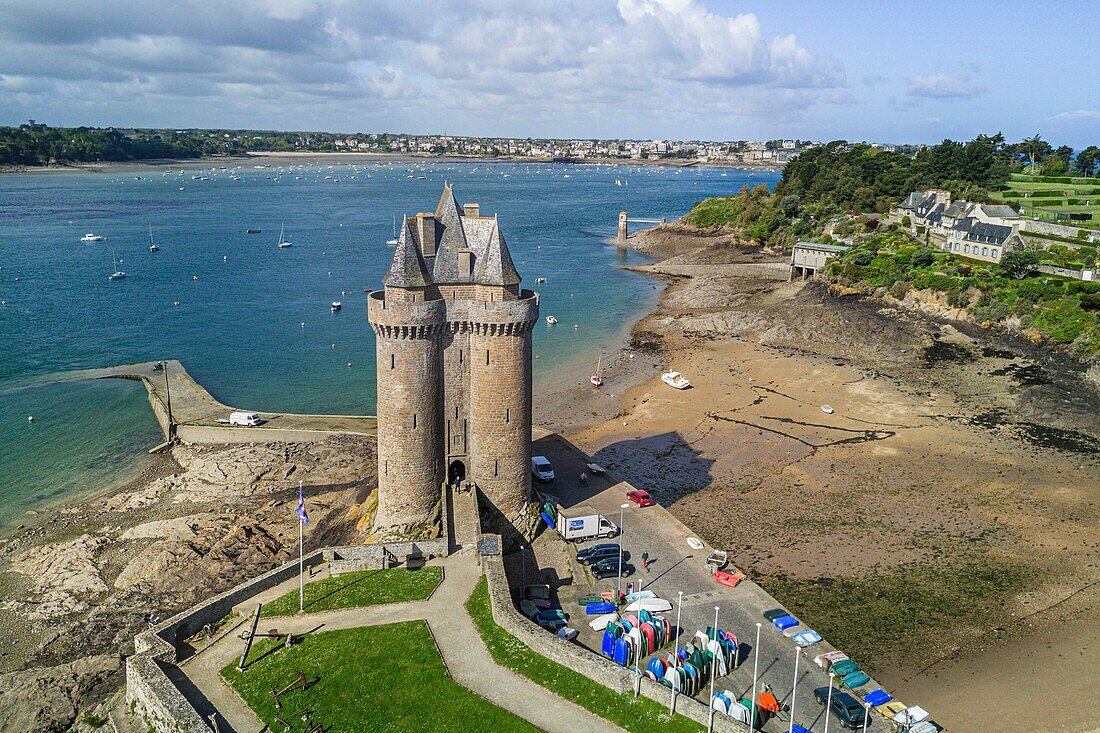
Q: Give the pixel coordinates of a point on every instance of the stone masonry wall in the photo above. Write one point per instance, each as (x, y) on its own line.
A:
(575, 657)
(500, 406)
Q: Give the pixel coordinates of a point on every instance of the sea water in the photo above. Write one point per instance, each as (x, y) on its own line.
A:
(252, 322)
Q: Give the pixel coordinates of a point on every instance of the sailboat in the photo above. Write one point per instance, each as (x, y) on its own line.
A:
(392, 241)
(596, 380)
(283, 244)
(152, 245)
(117, 274)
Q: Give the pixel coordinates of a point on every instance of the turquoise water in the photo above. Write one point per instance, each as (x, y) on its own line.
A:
(86, 436)
(252, 322)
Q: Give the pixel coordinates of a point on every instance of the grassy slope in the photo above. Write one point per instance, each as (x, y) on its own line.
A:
(380, 678)
(366, 588)
(642, 715)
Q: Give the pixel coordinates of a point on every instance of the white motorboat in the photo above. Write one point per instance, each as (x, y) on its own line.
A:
(89, 237)
(596, 380)
(283, 243)
(336, 305)
(675, 380)
(551, 320)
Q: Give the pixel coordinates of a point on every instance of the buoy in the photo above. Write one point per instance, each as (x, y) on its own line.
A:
(225, 258)
(334, 346)
(30, 418)
(303, 324)
(349, 363)
(194, 278)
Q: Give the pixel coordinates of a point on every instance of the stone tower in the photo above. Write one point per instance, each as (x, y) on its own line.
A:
(453, 332)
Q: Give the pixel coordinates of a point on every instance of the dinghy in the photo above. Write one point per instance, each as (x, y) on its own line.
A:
(640, 596)
(568, 633)
(599, 609)
(653, 605)
(600, 622)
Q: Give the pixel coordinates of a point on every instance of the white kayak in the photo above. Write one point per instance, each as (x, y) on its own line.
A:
(695, 544)
(640, 596)
(600, 622)
(653, 605)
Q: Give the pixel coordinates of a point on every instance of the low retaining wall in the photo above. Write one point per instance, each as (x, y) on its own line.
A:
(377, 557)
(148, 687)
(575, 657)
(1058, 230)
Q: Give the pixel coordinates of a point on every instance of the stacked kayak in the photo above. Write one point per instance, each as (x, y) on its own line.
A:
(643, 634)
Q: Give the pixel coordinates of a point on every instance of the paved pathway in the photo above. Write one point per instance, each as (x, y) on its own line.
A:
(465, 654)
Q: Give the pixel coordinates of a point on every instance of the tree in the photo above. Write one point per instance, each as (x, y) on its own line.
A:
(1087, 159)
(1017, 263)
(1035, 148)
(790, 204)
(923, 257)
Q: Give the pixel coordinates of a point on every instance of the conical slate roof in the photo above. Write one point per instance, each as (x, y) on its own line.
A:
(407, 269)
(453, 239)
(497, 267)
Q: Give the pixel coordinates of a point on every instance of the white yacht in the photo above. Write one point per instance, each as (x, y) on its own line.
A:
(89, 237)
(283, 243)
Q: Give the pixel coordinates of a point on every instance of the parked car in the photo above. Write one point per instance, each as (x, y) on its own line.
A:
(640, 497)
(845, 707)
(541, 468)
(606, 551)
(609, 568)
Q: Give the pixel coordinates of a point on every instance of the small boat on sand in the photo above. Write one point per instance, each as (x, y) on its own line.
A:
(675, 380)
(596, 379)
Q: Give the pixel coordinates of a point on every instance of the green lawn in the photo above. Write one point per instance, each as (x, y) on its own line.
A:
(642, 715)
(366, 588)
(377, 678)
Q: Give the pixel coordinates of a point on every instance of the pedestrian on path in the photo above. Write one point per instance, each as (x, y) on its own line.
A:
(584, 478)
(645, 561)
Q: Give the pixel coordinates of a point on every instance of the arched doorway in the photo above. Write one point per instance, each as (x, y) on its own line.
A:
(456, 473)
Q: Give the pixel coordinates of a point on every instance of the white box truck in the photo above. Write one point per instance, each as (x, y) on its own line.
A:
(580, 523)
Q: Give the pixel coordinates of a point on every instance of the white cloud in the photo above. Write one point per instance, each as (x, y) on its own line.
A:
(576, 60)
(944, 86)
(1079, 114)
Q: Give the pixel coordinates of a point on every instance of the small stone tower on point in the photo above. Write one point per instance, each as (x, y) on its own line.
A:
(453, 332)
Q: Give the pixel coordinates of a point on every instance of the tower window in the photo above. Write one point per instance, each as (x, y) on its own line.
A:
(507, 415)
(496, 467)
(414, 421)
(486, 357)
(386, 468)
(460, 356)
(456, 412)
(393, 361)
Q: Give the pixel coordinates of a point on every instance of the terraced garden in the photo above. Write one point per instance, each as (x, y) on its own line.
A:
(1054, 197)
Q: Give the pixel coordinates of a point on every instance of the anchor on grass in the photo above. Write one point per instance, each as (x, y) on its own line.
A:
(299, 681)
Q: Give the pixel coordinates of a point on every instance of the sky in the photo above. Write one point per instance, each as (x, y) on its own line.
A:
(882, 71)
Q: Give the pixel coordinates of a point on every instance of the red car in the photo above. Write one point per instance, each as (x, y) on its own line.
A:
(640, 497)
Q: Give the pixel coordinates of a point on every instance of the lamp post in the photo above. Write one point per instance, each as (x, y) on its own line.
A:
(713, 664)
(676, 653)
(619, 586)
(755, 667)
(522, 570)
(794, 686)
(866, 715)
(829, 704)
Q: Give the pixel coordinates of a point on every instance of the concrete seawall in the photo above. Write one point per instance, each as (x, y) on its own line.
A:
(195, 413)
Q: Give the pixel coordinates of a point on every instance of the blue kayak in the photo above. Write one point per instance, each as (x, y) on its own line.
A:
(546, 518)
(598, 609)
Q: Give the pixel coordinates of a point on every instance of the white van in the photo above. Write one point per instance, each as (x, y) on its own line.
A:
(541, 468)
(247, 419)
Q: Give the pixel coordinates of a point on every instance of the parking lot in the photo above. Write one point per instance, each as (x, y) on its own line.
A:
(675, 568)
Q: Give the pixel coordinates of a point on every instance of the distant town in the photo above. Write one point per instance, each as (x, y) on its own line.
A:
(35, 144)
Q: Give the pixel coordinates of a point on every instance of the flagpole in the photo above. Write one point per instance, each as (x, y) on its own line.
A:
(301, 581)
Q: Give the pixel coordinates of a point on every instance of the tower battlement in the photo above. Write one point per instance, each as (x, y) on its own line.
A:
(453, 342)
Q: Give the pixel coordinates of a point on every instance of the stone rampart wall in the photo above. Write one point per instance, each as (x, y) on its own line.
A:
(210, 434)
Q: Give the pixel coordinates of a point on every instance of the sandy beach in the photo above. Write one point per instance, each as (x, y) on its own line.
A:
(940, 521)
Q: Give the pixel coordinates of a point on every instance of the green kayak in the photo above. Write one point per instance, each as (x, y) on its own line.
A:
(585, 600)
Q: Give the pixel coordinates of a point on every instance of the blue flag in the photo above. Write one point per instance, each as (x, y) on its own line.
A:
(301, 511)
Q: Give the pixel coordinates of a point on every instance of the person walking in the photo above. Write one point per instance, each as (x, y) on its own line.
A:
(645, 561)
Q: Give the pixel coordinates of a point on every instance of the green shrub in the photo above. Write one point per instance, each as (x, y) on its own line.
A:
(1090, 301)
(1063, 321)
(923, 257)
(937, 281)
